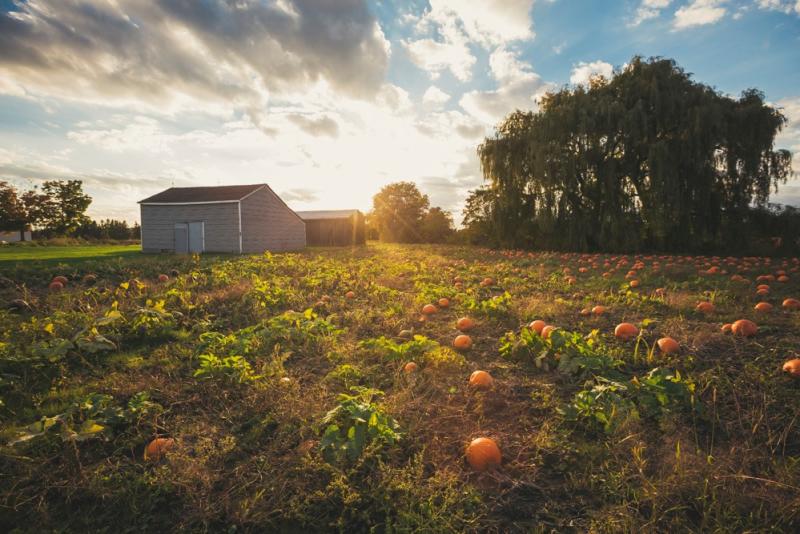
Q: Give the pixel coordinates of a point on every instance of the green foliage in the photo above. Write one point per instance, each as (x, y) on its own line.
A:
(230, 369)
(491, 306)
(649, 158)
(389, 349)
(356, 423)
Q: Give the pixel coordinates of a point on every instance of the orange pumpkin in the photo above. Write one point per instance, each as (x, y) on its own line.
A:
(462, 342)
(744, 328)
(163, 278)
(465, 324)
(410, 367)
(157, 448)
(599, 310)
(62, 279)
(792, 368)
(537, 326)
(55, 285)
(634, 283)
(429, 309)
(763, 307)
(444, 302)
(483, 454)
(486, 282)
(547, 330)
(626, 331)
(350, 295)
(783, 279)
(726, 328)
(586, 311)
(791, 304)
(704, 307)
(667, 345)
(481, 380)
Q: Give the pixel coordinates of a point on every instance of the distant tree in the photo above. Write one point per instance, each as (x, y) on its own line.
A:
(13, 214)
(60, 207)
(398, 211)
(136, 231)
(649, 159)
(114, 229)
(437, 225)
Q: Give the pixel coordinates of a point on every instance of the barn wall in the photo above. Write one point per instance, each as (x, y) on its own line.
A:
(336, 232)
(268, 224)
(221, 225)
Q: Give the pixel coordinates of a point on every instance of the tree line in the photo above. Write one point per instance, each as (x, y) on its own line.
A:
(402, 214)
(648, 160)
(57, 209)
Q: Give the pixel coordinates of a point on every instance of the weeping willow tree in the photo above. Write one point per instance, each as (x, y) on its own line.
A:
(647, 160)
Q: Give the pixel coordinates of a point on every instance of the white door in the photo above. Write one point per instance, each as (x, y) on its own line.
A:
(197, 238)
(181, 238)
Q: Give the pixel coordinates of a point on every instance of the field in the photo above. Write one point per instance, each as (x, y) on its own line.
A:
(68, 254)
(286, 403)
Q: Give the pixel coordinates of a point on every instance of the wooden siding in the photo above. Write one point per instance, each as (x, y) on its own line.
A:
(221, 225)
(268, 224)
(336, 232)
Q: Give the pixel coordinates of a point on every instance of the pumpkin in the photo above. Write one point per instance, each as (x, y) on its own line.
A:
(55, 285)
(350, 295)
(537, 326)
(90, 279)
(586, 311)
(599, 310)
(486, 282)
(761, 292)
(547, 330)
(792, 368)
(483, 454)
(763, 307)
(481, 380)
(704, 307)
(667, 345)
(157, 448)
(409, 368)
(791, 304)
(783, 279)
(444, 303)
(727, 327)
(462, 342)
(465, 324)
(429, 309)
(163, 278)
(60, 278)
(626, 331)
(634, 283)
(744, 328)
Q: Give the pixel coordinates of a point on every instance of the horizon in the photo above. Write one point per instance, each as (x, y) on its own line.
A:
(329, 102)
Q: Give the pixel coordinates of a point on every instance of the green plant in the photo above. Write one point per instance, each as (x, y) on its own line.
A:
(231, 369)
(355, 423)
(497, 306)
(391, 350)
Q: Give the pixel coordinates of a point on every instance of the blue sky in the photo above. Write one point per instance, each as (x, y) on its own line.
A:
(329, 101)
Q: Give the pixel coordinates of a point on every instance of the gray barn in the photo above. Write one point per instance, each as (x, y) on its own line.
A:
(233, 218)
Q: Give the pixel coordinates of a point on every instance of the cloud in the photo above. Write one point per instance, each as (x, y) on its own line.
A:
(649, 9)
(178, 54)
(583, 72)
(320, 126)
(518, 88)
(784, 6)
(298, 194)
(489, 22)
(435, 57)
(435, 96)
(699, 13)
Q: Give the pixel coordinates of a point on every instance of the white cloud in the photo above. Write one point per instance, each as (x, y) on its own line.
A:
(488, 22)
(583, 72)
(649, 9)
(435, 96)
(435, 57)
(518, 88)
(699, 13)
(784, 6)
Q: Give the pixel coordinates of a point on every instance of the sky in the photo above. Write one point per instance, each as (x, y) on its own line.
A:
(329, 100)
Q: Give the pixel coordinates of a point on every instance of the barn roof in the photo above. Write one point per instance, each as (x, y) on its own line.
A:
(187, 195)
(327, 214)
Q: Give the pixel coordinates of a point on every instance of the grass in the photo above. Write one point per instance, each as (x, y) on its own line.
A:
(291, 412)
(66, 254)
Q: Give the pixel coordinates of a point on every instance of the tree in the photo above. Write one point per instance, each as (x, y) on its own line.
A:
(437, 225)
(61, 206)
(13, 215)
(398, 211)
(648, 159)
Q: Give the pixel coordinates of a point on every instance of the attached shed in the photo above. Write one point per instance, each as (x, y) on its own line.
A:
(233, 218)
(334, 227)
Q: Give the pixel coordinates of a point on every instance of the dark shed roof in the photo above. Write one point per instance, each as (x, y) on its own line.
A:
(327, 214)
(184, 195)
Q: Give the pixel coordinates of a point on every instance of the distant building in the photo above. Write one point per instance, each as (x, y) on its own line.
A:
(334, 227)
(14, 236)
(234, 218)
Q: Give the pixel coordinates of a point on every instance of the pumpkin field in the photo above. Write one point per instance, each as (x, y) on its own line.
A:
(401, 388)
